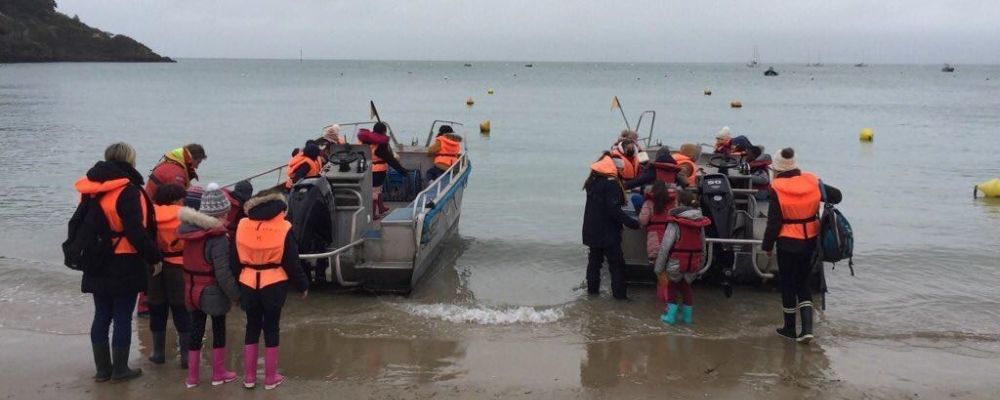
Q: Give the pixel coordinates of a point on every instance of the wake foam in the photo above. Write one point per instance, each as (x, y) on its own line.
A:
(485, 316)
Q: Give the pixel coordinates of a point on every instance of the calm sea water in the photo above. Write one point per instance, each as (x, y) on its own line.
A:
(927, 253)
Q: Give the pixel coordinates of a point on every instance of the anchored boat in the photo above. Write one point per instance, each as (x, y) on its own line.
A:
(392, 253)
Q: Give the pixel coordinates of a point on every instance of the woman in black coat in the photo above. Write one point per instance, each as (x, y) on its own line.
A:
(602, 225)
(115, 286)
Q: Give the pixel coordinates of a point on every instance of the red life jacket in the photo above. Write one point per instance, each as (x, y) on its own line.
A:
(199, 273)
(760, 165)
(666, 172)
(235, 212)
(688, 248)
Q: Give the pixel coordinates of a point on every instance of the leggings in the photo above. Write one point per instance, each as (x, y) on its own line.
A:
(109, 308)
(263, 308)
(794, 269)
(158, 317)
(198, 319)
(682, 286)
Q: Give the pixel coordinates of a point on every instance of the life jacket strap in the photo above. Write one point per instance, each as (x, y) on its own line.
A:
(800, 220)
(263, 267)
(198, 273)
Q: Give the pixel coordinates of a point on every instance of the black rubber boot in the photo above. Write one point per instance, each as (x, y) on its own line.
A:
(159, 343)
(788, 331)
(806, 309)
(102, 360)
(183, 342)
(119, 369)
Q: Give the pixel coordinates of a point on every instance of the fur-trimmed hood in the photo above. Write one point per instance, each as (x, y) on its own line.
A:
(265, 205)
(195, 225)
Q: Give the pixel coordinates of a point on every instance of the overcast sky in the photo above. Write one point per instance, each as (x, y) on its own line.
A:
(798, 31)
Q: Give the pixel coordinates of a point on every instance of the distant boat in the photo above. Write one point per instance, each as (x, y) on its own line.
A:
(528, 65)
(755, 61)
(861, 65)
(770, 72)
(468, 65)
(818, 63)
(948, 68)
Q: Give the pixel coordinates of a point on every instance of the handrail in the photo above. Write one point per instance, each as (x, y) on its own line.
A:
(430, 134)
(456, 169)
(364, 123)
(638, 126)
(754, 243)
(278, 168)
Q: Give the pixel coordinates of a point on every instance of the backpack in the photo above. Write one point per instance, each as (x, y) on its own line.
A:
(90, 243)
(836, 238)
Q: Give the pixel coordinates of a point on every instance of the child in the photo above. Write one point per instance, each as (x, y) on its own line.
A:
(210, 287)
(268, 259)
(165, 293)
(680, 256)
(653, 217)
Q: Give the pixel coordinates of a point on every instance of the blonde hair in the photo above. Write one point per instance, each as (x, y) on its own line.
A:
(121, 151)
(691, 150)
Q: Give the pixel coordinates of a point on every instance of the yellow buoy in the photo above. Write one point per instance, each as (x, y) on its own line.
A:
(489, 91)
(866, 135)
(484, 127)
(736, 104)
(990, 188)
(708, 92)
(469, 102)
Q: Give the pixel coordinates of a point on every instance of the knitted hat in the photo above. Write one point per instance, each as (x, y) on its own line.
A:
(723, 133)
(332, 133)
(784, 160)
(214, 203)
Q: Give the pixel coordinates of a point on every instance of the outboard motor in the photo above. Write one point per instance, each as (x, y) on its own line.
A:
(311, 209)
(718, 204)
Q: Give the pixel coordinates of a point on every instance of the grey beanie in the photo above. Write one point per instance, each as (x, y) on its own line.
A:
(214, 203)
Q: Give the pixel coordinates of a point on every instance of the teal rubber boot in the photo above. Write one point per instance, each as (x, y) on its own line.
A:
(670, 316)
(687, 314)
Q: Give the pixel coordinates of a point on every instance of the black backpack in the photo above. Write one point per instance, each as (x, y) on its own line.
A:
(836, 238)
(91, 242)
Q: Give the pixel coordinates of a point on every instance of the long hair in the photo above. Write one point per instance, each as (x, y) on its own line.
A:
(661, 197)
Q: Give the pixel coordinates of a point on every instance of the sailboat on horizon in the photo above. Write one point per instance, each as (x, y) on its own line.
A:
(755, 62)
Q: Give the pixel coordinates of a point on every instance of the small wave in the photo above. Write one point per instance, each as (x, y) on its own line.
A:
(486, 316)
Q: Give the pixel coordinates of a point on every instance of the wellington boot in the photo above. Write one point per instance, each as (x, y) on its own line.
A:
(159, 343)
(670, 316)
(119, 365)
(102, 360)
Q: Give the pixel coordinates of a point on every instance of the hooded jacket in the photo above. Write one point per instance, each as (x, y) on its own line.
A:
(775, 219)
(126, 274)
(603, 216)
(267, 206)
(218, 253)
(672, 234)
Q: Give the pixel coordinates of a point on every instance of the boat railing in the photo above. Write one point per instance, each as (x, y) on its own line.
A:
(333, 256)
(652, 122)
(357, 125)
(277, 169)
(430, 133)
(438, 187)
(754, 245)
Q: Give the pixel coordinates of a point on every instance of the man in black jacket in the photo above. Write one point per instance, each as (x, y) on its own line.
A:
(602, 225)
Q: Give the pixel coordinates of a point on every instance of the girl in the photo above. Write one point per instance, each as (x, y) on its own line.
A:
(210, 287)
(680, 256)
(268, 259)
(165, 294)
(653, 217)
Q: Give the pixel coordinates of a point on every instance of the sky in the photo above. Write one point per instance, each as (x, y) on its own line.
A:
(793, 31)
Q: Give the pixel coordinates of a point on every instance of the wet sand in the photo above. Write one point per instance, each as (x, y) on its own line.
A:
(373, 356)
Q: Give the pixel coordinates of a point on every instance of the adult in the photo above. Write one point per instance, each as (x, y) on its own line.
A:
(759, 165)
(382, 158)
(331, 137)
(628, 151)
(114, 286)
(602, 225)
(723, 140)
(663, 167)
(445, 150)
(304, 164)
(793, 224)
(178, 166)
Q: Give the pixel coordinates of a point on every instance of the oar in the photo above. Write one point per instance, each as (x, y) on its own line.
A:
(617, 104)
(374, 112)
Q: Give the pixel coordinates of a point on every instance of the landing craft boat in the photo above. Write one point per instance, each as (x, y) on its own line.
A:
(392, 253)
(733, 252)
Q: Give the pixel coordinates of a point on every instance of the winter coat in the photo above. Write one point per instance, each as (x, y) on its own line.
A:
(126, 274)
(171, 169)
(652, 238)
(603, 216)
(774, 220)
(218, 253)
(264, 208)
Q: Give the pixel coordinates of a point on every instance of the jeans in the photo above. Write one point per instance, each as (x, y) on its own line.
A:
(616, 266)
(109, 308)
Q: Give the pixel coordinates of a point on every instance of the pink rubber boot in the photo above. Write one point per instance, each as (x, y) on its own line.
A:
(219, 373)
(250, 366)
(271, 376)
(194, 357)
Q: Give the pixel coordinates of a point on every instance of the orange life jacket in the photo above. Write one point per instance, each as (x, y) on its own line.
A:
(799, 198)
(607, 166)
(631, 165)
(685, 160)
(378, 164)
(110, 191)
(449, 151)
(167, 223)
(666, 172)
(260, 246)
(297, 161)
